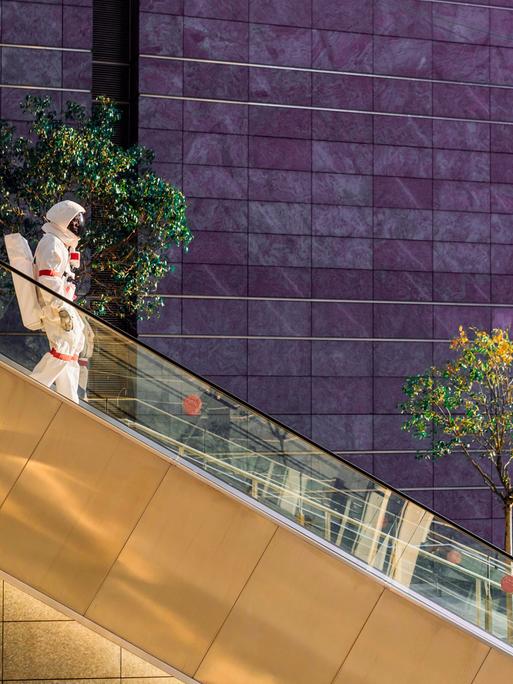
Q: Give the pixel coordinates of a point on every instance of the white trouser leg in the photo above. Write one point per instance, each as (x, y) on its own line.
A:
(63, 373)
(67, 382)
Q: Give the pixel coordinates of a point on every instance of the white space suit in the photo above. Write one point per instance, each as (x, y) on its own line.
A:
(55, 259)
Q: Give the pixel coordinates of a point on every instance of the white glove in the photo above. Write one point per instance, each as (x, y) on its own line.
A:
(66, 320)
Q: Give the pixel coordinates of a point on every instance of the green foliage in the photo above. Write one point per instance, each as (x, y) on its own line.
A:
(466, 406)
(133, 216)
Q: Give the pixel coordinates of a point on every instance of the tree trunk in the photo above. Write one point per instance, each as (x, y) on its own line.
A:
(508, 547)
(508, 537)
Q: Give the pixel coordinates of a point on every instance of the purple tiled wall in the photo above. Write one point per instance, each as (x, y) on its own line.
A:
(349, 178)
(348, 167)
(45, 50)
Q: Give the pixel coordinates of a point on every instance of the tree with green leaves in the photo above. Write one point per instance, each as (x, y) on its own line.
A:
(134, 217)
(466, 406)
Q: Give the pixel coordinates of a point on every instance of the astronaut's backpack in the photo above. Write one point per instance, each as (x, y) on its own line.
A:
(21, 258)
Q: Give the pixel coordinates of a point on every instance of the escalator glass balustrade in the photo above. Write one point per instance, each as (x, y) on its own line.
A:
(358, 517)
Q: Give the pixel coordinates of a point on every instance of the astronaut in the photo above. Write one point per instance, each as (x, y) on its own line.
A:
(56, 257)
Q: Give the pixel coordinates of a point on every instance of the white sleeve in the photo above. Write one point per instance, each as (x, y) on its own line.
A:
(51, 262)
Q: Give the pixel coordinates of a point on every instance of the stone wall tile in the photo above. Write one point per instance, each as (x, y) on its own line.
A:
(460, 226)
(167, 79)
(342, 432)
(280, 45)
(342, 126)
(461, 24)
(283, 218)
(342, 395)
(462, 287)
(215, 148)
(457, 62)
(216, 81)
(405, 97)
(461, 257)
(463, 101)
(32, 24)
(220, 9)
(279, 250)
(403, 56)
(215, 117)
(339, 358)
(77, 27)
(447, 319)
(462, 135)
(352, 190)
(272, 153)
(216, 279)
(393, 160)
(410, 224)
(404, 130)
(342, 157)
(160, 34)
(409, 18)
(351, 15)
(280, 394)
(403, 285)
(342, 92)
(341, 319)
(286, 12)
(341, 221)
(279, 318)
(279, 357)
(342, 51)
(336, 283)
(215, 39)
(402, 193)
(280, 86)
(339, 252)
(461, 165)
(395, 321)
(279, 281)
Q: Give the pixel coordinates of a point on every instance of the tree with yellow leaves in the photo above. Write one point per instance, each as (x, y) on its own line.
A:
(466, 406)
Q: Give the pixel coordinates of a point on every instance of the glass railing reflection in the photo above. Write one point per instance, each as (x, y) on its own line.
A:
(376, 526)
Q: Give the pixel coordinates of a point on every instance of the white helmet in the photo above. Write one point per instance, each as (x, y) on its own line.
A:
(62, 213)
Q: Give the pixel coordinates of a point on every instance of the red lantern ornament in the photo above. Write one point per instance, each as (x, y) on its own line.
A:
(454, 556)
(192, 405)
(507, 584)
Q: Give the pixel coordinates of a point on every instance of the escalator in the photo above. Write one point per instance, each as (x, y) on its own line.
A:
(221, 546)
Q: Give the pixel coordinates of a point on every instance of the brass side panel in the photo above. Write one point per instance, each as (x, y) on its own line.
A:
(20, 606)
(402, 642)
(133, 666)
(25, 413)
(60, 681)
(143, 680)
(57, 650)
(181, 570)
(73, 507)
(295, 620)
(498, 667)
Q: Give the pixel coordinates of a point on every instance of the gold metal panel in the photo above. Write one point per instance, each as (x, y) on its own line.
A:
(73, 507)
(60, 681)
(181, 570)
(295, 620)
(19, 607)
(25, 413)
(146, 680)
(133, 666)
(57, 650)
(498, 667)
(403, 642)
